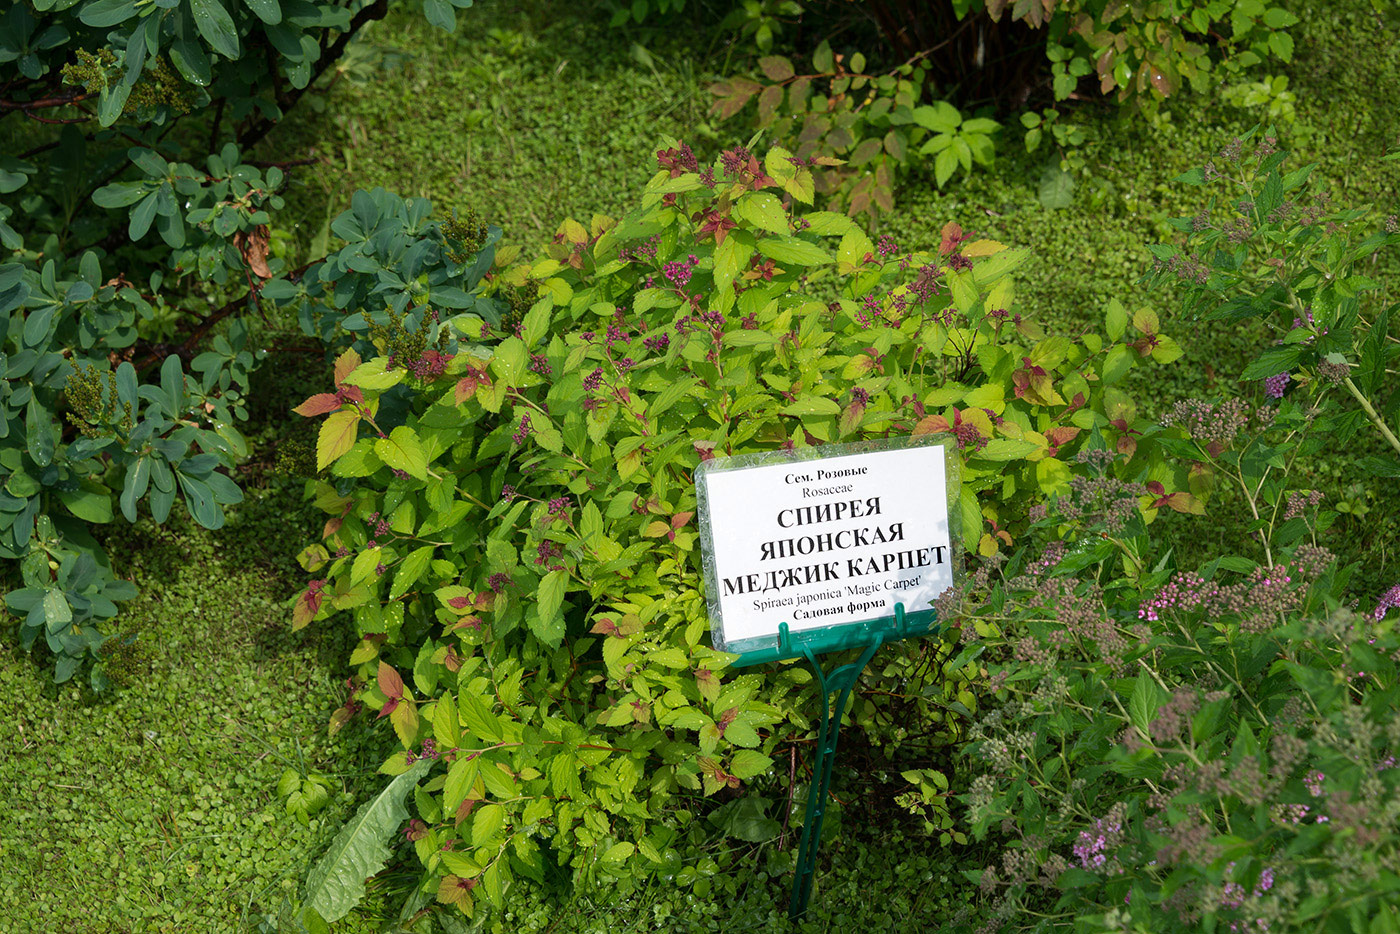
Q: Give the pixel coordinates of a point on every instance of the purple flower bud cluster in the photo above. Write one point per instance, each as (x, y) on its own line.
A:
(1174, 716)
(618, 334)
(678, 160)
(1238, 230)
(1289, 813)
(1210, 422)
(1299, 502)
(657, 343)
(523, 431)
(859, 396)
(1104, 499)
(925, 284)
(1274, 386)
(547, 551)
(1094, 845)
(714, 320)
(1259, 602)
(886, 246)
(507, 493)
(735, 160)
(593, 380)
(1188, 268)
(498, 581)
(1390, 600)
(539, 363)
(558, 507)
(429, 366)
(968, 436)
(641, 252)
(1232, 150)
(1333, 372)
(1234, 895)
(680, 271)
(379, 524)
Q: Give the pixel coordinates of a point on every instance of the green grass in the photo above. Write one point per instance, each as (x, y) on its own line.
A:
(152, 808)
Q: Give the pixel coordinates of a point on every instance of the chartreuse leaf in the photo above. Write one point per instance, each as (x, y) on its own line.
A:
(336, 437)
(411, 570)
(403, 451)
(337, 883)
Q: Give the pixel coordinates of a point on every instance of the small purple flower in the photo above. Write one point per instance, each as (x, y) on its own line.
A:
(498, 581)
(593, 380)
(507, 493)
(1275, 385)
(522, 432)
(1390, 600)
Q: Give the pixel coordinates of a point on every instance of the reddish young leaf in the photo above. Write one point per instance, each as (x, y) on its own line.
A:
(389, 681)
(345, 364)
(319, 404)
(307, 606)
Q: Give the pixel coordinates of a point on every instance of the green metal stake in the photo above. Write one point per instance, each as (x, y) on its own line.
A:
(842, 680)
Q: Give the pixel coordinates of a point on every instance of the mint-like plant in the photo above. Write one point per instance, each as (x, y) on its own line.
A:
(1272, 247)
(1176, 749)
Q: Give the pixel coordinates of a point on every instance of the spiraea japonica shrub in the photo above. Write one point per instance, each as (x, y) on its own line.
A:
(511, 527)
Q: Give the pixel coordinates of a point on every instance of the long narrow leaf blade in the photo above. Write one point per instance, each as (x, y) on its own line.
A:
(337, 883)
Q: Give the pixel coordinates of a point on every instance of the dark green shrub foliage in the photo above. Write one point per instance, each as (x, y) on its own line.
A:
(137, 235)
(867, 125)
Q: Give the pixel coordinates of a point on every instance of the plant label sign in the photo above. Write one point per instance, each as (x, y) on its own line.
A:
(817, 547)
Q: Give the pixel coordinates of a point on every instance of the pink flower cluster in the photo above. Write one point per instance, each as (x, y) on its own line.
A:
(1390, 600)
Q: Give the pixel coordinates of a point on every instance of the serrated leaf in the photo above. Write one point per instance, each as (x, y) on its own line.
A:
(487, 822)
(447, 729)
(337, 436)
(403, 451)
(411, 570)
(762, 209)
(793, 251)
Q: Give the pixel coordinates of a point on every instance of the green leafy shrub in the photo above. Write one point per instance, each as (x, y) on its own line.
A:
(137, 233)
(857, 130)
(395, 255)
(1187, 749)
(1269, 250)
(1137, 51)
(866, 128)
(511, 527)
